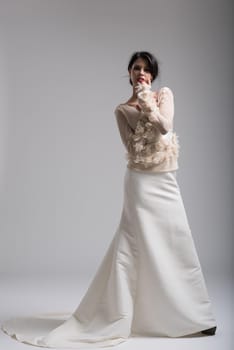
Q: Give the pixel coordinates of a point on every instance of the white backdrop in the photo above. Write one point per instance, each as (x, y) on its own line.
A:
(63, 68)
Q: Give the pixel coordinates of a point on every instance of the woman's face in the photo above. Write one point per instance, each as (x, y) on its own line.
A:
(140, 72)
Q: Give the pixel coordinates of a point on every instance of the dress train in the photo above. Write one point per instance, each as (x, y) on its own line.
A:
(149, 282)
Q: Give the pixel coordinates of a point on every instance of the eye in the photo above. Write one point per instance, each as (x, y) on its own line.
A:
(147, 70)
(136, 68)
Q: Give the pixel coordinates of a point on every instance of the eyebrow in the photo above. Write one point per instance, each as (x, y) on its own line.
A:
(137, 65)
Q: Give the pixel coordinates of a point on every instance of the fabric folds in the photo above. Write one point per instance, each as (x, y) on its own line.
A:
(149, 282)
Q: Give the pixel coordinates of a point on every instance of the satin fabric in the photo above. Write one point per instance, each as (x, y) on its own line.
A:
(149, 282)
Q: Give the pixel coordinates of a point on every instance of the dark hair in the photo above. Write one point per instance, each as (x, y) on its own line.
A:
(149, 58)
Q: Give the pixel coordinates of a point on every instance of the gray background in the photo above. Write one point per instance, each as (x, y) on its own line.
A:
(63, 69)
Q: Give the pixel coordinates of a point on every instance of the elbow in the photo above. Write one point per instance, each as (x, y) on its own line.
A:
(164, 129)
(167, 127)
(164, 124)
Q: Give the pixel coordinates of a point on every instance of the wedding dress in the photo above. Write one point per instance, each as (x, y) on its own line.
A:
(150, 280)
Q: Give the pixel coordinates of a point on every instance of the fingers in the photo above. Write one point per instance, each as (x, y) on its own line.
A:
(142, 86)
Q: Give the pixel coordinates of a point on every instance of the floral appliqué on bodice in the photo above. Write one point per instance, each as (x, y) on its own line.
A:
(147, 146)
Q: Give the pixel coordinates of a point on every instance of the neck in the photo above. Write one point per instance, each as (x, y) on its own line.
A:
(133, 98)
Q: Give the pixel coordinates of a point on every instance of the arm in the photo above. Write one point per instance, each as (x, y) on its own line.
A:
(162, 115)
(124, 128)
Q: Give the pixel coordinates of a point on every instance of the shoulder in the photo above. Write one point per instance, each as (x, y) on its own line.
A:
(119, 110)
(165, 94)
(118, 107)
(165, 90)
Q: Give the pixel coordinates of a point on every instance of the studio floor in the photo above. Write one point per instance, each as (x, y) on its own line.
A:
(29, 295)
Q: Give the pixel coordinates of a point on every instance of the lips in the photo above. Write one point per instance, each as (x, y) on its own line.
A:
(140, 80)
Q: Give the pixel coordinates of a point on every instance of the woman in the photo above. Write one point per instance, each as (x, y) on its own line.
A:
(150, 280)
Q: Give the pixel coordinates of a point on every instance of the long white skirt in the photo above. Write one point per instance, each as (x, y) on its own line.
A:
(149, 282)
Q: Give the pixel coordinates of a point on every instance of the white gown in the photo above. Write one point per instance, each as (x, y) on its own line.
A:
(149, 282)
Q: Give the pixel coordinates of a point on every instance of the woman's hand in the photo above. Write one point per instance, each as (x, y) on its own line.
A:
(145, 88)
(142, 86)
(146, 97)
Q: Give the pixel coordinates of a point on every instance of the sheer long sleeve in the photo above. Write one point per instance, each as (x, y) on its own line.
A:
(125, 129)
(161, 114)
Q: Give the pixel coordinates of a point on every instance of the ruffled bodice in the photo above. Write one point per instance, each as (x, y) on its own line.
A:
(152, 144)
